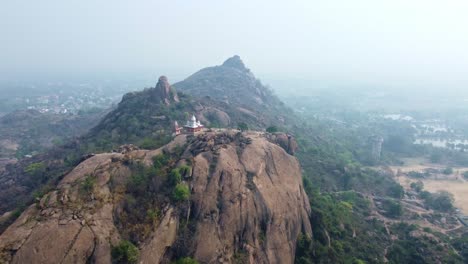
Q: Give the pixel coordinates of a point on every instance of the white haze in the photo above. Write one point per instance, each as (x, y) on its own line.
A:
(398, 43)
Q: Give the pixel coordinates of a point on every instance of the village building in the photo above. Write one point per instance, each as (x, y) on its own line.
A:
(193, 126)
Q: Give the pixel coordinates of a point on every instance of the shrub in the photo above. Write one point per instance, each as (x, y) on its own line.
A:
(392, 208)
(181, 192)
(149, 143)
(175, 177)
(87, 186)
(417, 186)
(35, 169)
(242, 126)
(272, 129)
(160, 161)
(441, 201)
(125, 252)
(152, 214)
(184, 169)
(396, 191)
(186, 260)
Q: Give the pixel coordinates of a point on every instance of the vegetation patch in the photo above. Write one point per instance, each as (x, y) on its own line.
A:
(125, 252)
(181, 192)
(88, 185)
(186, 260)
(441, 201)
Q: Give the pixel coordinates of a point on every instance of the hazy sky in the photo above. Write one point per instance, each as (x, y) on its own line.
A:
(398, 41)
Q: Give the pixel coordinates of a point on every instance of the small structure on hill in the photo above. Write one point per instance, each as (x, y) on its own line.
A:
(193, 126)
(177, 128)
(376, 147)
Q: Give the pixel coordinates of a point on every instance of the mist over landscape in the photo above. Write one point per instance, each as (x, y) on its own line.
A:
(234, 132)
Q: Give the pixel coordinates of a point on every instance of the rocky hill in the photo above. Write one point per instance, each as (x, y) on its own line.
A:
(145, 118)
(221, 96)
(220, 197)
(234, 84)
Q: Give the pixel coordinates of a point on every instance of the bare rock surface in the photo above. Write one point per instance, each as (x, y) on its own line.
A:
(164, 236)
(165, 92)
(247, 199)
(286, 141)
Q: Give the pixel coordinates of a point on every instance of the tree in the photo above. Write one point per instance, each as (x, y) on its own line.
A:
(447, 171)
(393, 209)
(242, 126)
(443, 201)
(417, 186)
(396, 191)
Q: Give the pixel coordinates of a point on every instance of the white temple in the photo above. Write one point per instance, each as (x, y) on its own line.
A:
(193, 125)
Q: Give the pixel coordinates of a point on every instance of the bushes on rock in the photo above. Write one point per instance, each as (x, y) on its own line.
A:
(175, 177)
(125, 252)
(186, 260)
(35, 169)
(160, 161)
(184, 169)
(272, 129)
(87, 186)
(181, 192)
(242, 126)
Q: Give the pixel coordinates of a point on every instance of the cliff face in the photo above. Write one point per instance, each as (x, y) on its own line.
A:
(247, 201)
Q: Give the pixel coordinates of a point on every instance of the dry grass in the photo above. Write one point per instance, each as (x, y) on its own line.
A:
(455, 184)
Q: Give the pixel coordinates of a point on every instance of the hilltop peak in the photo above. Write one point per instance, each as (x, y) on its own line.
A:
(235, 62)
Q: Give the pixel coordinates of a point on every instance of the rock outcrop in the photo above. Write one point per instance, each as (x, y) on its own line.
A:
(165, 92)
(247, 201)
(286, 141)
(235, 62)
